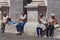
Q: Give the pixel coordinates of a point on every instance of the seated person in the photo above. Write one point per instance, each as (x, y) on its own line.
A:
(42, 25)
(20, 25)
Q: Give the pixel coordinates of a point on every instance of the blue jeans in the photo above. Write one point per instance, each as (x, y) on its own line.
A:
(20, 27)
(50, 30)
(39, 31)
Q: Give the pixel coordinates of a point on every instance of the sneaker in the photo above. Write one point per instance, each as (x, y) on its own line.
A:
(38, 35)
(2, 32)
(49, 37)
(18, 34)
(46, 37)
(52, 37)
(41, 35)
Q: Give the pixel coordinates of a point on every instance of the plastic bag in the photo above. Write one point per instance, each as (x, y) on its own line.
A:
(56, 25)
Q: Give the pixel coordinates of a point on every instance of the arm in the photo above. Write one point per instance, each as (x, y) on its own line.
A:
(22, 18)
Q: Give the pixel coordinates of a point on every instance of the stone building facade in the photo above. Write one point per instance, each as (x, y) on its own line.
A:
(17, 7)
(54, 7)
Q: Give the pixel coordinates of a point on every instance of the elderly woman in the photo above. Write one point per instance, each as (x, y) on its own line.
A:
(50, 29)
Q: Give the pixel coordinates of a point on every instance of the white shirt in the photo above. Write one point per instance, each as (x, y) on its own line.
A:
(23, 17)
(43, 20)
(5, 19)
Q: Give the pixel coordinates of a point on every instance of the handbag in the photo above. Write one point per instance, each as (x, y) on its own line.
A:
(56, 25)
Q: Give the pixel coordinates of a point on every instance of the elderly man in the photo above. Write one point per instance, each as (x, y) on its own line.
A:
(20, 25)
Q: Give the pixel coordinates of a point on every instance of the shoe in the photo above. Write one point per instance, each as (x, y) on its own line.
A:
(49, 37)
(19, 34)
(2, 32)
(41, 35)
(46, 37)
(52, 37)
(38, 35)
(23, 32)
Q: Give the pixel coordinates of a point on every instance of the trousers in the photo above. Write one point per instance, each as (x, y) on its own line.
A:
(50, 31)
(3, 27)
(39, 31)
(20, 27)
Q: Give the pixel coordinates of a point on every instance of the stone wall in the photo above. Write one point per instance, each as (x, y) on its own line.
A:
(54, 7)
(16, 9)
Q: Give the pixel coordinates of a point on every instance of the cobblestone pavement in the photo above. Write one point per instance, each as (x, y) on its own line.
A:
(10, 34)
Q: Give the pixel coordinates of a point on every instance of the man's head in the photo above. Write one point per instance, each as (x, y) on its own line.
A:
(41, 15)
(23, 13)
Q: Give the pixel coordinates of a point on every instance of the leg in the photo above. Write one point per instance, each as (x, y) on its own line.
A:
(52, 31)
(41, 32)
(38, 31)
(23, 27)
(17, 27)
(3, 27)
(47, 32)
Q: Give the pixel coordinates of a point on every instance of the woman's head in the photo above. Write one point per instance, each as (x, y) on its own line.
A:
(53, 16)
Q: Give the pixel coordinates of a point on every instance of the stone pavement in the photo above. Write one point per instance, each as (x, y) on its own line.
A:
(10, 34)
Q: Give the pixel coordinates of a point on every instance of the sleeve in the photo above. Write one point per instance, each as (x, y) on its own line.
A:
(43, 20)
(24, 16)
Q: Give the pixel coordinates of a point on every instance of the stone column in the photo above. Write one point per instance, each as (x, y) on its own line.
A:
(32, 16)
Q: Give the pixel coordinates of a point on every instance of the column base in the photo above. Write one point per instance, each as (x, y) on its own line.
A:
(30, 28)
